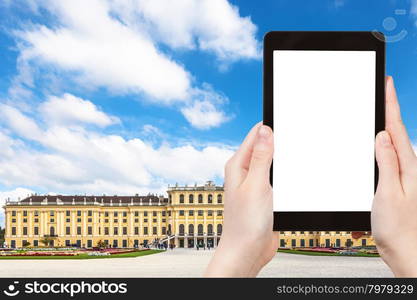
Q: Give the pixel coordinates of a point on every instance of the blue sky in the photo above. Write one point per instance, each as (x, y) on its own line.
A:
(124, 97)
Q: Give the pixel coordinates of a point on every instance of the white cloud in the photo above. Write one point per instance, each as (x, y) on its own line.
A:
(204, 115)
(115, 44)
(69, 110)
(74, 160)
(209, 25)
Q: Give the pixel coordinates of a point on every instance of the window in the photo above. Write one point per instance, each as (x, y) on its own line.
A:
(311, 243)
(115, 214)
(154, 230)
(25, 213)
(25, 231)
(13, 230)
(210, 198)
(106, 220)
(337, 242)
(79, 220)
(25, 220)
(145, 230)
(115, 220)
(124, 220)
(13, 213)
(145, 220)
(181, 198)
(154, 213)
(200, 213)
(78, 230)
(219, 198)
(164, 230)
(293, 243)
(36, 213)
(124, 243)
(89, 220)
(164, 213)
(136, 214)
(191, 199)
(210, 213)
(200, 198)
(181, 229)
(136, 220)
(302, 232)
(36, 220)
(90, 213)
(181, 213)
(220, 213)
(52, 231)
(89, 243)
(13, 220)
(303, 243)
(191, 213)
(200, 229)
(210, 229)
(363, 242)
(52, 213)
(52, 220)
(36, 230)
(106, 230)
(219, 229)
(125, 214)
(154, 220)
(191, 229)
(115, 230)
(68, 213)
(282, 243)
(68, 220)
(106, 214)
(67, 230)
(124, 230)
(35, 243)
(137, 230)
(145, 213)
(78, 213)
(89, 230)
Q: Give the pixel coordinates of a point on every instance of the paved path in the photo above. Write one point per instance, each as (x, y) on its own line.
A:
(191, 263)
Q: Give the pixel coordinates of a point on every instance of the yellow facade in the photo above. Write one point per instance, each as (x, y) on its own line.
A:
(191, 216)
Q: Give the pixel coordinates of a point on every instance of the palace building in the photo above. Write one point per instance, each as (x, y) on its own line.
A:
(191, 216)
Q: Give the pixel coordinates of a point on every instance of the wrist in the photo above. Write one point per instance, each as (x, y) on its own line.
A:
(403, 262)
(232, 262)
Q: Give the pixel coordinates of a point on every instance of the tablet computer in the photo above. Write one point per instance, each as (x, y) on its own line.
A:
(324, 97)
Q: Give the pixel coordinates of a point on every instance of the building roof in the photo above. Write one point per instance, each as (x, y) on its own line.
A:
(91, 200)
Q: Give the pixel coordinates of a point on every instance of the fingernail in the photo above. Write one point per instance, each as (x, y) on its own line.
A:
(264, 133)
(385, 138)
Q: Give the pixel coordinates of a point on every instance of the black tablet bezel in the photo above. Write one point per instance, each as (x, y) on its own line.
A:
(335, 41)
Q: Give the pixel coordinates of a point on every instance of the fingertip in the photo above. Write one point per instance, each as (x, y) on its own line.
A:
(384, 139)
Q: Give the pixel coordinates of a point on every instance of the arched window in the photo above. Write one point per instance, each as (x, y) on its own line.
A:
(191, 229)
(181, 229)
(200, 229)
(200, 198)
(191, 198)
(181, 198)
(219, 229)
(210, 198)
(210, 229)
(52, 231)
(219, 198)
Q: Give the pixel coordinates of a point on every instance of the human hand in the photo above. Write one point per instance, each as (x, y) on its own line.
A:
(247, 242)
(394, 211)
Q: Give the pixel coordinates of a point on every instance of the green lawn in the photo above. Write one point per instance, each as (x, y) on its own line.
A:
(85, 256)
(360, 254)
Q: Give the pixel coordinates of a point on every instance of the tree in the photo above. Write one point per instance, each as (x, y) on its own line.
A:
(26, 244)
(2, 232)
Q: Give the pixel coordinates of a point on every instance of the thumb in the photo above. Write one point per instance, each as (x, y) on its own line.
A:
(261, 159)
(386, 156)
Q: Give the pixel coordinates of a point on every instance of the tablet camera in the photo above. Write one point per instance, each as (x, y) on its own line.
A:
(390, 24)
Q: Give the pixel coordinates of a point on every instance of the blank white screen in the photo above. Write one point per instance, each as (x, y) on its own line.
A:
(324, 130)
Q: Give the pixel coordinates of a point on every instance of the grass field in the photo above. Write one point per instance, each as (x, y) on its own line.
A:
(85, 256)
(359, 254)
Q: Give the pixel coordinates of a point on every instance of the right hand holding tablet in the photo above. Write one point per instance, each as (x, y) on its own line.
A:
(394, 211)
